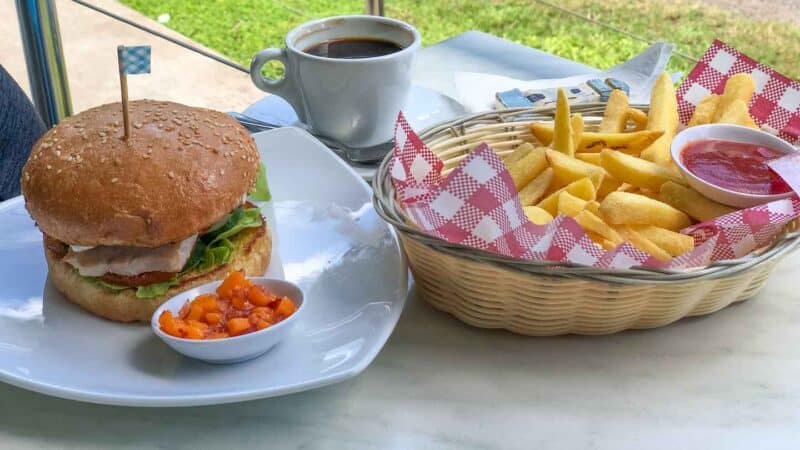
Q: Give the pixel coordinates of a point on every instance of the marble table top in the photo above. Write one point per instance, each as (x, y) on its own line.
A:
(727, 381)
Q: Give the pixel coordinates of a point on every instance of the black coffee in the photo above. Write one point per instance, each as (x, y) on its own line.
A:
(353, 48)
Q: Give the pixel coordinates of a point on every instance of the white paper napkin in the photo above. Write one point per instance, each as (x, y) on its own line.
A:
(476, 91)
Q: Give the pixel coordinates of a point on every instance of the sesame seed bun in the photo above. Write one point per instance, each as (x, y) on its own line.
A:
(252, 255)
(181, 171)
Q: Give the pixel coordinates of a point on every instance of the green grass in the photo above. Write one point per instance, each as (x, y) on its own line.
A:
(239, 28)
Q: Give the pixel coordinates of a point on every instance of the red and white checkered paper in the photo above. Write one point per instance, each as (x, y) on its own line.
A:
(477, 205)
(775, 106)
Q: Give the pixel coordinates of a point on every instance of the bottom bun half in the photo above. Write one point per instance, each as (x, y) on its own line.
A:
(252, 255)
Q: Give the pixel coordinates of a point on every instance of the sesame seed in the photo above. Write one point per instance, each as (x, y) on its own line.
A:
(49, 167)
(27, 176)
(58, 152)
(171, 174)
(137, 125)
(114, 180)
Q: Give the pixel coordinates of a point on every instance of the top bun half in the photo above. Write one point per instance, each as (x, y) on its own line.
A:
(182, 170)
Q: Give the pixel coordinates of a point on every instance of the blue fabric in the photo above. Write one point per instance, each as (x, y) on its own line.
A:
(20, 128)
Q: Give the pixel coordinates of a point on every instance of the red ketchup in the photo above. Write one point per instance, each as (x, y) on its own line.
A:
(736, 166)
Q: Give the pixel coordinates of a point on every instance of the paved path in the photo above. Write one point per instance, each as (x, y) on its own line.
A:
(90, 40)
(781, 10)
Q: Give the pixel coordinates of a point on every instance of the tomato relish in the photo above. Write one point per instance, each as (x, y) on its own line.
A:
(736, 166)
(239, 307)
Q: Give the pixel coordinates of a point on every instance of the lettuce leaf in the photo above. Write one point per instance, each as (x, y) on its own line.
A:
(260, 191)
(240, 219)
(155, 289)
(211, 250)
(149, 291)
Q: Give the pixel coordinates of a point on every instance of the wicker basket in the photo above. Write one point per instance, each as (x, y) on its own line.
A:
(543, 298)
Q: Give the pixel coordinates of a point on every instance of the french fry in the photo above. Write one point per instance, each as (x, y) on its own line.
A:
(593, 206)
(638, 117)
(543, 132)
(705, 110)
(520, 152)
(537, 215)
(663, 116)
(643, 244)
(648, 193)
(591, 158)
(607, 186)
(582, 188)
(534, 191)
(633, 143)
(562, 139)
(591, 141)
(576, 122)
(615, 116)
(625, 208)
(596, 238)
(692, 202)
(636, 171)
(737, 114)
(568, 169)
(525, 169)
(590, 222)
(570, 205)
(738, 87)
(607, 245)
(673, 243)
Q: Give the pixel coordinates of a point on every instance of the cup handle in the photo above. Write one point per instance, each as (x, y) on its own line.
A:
(283, 87)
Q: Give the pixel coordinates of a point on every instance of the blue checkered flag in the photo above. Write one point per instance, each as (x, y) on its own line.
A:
(134, 60)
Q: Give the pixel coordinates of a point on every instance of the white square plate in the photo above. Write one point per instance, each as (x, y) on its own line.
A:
(329, 240)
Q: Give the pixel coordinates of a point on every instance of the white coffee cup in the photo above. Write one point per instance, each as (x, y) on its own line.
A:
(354, 101)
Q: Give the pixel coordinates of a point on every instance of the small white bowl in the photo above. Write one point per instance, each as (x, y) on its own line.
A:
(237, 348)
(733, 133)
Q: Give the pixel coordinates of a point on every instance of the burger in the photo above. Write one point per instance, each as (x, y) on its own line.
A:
(129, 222)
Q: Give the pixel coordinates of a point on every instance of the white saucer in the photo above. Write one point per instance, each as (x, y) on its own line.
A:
(328, 240)
(424, 108)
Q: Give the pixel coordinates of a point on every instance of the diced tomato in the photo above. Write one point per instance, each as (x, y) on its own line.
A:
(195, 312)
(233, 281)
(238, 308)
(206, 301)
(258, 297)
(238, 326)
